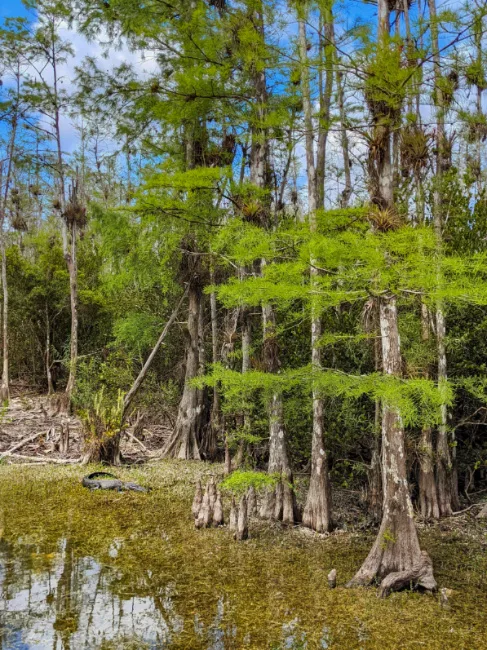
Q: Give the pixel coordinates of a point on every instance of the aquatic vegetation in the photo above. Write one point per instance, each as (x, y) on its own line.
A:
(129, 570)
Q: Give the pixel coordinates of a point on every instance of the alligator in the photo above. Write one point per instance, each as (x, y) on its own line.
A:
(93, 482)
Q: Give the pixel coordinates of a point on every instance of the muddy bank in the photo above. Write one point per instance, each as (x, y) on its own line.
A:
(127, 570)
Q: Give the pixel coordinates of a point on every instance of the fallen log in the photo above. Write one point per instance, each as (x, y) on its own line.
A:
(23, 442)
(46, 459)
(135, 439)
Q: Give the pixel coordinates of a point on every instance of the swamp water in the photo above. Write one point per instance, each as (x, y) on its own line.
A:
(83, 570)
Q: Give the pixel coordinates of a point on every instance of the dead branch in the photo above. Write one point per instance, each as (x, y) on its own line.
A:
(22, 443)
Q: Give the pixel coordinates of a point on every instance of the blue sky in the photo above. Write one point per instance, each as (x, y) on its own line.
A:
(10, 8)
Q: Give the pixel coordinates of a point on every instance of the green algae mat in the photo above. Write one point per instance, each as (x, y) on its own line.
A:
(100, 570)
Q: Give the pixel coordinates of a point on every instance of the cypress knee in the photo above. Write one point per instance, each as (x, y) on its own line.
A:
(242, 521)
(218, 510)
(198, 498)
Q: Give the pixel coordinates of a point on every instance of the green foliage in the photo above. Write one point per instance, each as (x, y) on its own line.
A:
(102, 417)
(239, 482)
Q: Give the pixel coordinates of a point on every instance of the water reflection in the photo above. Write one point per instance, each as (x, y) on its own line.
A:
(60, 601)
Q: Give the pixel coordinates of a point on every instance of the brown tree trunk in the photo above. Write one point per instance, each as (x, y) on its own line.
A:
(184, 440)
(50, 388)
(4, 190)
(443, 457)
(245, 419)
(396, 548)
(72, 263)
(4, 387)
(325, 92)
(428, 496)
(395, 556)
(280, 502)
(215, 425)
(69, 232)
(317, 510)
(374, 474)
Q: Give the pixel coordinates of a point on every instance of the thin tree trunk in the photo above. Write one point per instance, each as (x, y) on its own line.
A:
(69, 233)
(50, 388)
(72, 262)
(5, 384)
(347, 190)
(278, 503)
(4, 388)
(317, 510)
(428, 496)
(443, 457)
(215, 425)
(325, 91)
(245, 419)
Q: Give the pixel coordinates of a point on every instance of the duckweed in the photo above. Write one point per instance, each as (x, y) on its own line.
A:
(129, 571)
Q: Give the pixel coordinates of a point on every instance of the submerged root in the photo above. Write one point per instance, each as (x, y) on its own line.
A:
(419, 575)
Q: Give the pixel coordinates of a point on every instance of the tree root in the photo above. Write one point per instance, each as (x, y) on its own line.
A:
(419, 575)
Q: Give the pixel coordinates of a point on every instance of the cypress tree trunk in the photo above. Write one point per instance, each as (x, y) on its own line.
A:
(69, 232)
(279, 503)
(395, 557)
(428, 497)
(4, 387)
(325, 92)
(215, 424)
(443, 456)
(246, 343)
(5, 383)
(184, 440)
(317, 510)
(374, 475)
(396, 548)
(72, 263)
(50, 388)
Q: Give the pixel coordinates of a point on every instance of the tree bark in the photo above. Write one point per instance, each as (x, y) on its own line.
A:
(325, 91)
(278, 503)
(396, 548)
(5, 383)
(72, 263)
(50, 387)
(443, 457)
(215, 425)
(184, 440)
(428, 496)
(69, 231)
(317, 510)
(105, 450)
(374, 475)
